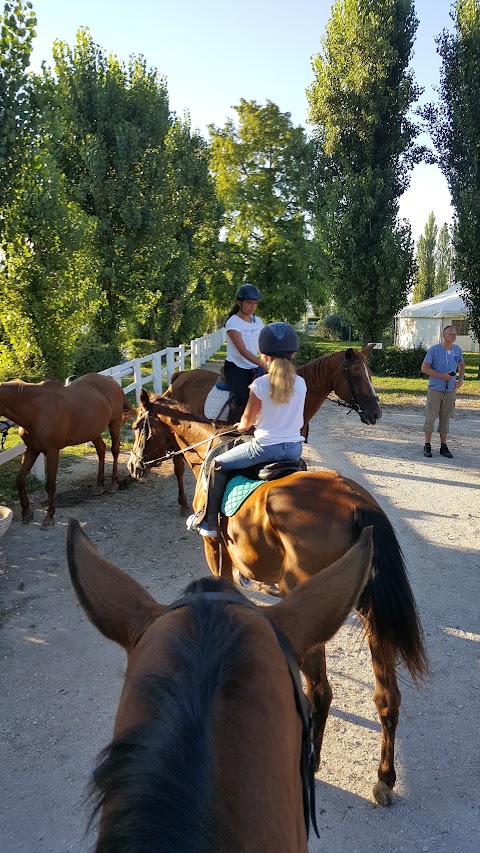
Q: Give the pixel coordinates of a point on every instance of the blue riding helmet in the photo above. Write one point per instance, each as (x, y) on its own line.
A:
(248, 291)
(278, 339)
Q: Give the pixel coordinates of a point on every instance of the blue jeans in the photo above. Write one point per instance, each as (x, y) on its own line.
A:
(252, 453)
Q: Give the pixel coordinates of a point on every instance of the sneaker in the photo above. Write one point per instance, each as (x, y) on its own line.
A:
(427, 450)
(205, 530)
(444, 451)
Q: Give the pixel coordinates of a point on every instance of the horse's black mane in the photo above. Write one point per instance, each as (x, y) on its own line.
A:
(158, 778)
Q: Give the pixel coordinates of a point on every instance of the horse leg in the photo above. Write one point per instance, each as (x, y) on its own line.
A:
(100, 448)
(115, 436)
(28, 460)
(319, 692)
(387, 700)
(52, 467)
(179, 468)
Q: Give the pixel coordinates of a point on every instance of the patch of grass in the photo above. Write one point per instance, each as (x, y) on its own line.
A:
(9, 470)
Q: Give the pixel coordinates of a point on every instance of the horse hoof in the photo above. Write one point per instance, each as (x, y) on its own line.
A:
(26, 519)
(98, 490)
(48, 522)
(383, 794)
(113, 488)
(185, 511)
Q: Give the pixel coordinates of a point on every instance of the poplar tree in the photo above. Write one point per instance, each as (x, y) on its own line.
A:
(455, 127)
(360, 105)
(443, 257)
(424, 286)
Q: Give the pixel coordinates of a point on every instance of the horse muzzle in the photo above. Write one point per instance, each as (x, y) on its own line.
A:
(137, 468)
(370, 413)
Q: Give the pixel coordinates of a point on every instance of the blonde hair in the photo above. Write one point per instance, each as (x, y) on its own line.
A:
(282, 375)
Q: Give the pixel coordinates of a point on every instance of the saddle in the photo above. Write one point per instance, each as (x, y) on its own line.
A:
(217, 404)
(242, 482)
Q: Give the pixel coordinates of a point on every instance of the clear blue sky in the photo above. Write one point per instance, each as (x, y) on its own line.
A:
(213, 53)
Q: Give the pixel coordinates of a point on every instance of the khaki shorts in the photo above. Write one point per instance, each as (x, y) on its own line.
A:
(440, 404)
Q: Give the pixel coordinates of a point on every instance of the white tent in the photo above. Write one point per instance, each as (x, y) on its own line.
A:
(421, 324)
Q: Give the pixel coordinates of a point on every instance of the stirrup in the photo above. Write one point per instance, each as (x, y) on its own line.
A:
(193, 521)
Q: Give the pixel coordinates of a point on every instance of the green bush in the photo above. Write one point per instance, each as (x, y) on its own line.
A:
(95, 358)
(138, 347)
(309, 350)
(392, 361)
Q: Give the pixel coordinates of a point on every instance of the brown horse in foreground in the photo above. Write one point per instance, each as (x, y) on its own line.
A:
(290, 529)
(211, 740)
(345, 373)
(53, 416)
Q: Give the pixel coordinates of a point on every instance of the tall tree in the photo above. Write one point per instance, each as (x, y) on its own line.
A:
(115, 120)
(261, 168)
(17, 32)
(443, 258)
(424, 286)
(455, 127)
(360, 102)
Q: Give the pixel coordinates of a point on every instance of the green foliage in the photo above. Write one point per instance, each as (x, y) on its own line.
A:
(455, 127)
(261, 170)
(425, 274)
(392, 361)
(138, 347)
(443, 256)
(360, 105)
(92, 358)
(17, 125)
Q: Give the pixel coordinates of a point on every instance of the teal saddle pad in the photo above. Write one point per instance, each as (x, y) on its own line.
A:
(237, 491)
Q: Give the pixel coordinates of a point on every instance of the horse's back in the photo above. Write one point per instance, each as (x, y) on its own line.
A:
(191, 387)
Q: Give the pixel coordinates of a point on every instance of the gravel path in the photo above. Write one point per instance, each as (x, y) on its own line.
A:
(61, 679)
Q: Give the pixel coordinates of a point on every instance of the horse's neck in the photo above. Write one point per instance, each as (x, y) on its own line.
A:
(319, 376)
(188, 434)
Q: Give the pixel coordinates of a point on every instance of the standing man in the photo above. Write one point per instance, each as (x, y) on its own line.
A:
(441, 364)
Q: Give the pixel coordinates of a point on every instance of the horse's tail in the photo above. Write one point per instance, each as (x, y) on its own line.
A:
(387, 602)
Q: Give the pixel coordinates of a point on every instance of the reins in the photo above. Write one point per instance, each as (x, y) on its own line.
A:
(170, 453)
(302, 704)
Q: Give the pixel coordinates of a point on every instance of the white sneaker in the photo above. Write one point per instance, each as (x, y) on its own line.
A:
(204, 530)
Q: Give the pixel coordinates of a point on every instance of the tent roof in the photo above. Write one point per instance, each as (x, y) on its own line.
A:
(444, 304)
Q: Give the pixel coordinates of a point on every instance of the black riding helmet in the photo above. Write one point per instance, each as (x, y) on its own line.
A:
(278, 339)
(248, 291)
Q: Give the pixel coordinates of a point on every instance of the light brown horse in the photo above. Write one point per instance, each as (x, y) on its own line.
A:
(52, 416)
(211, 740)
(345, 373)
(290, 529)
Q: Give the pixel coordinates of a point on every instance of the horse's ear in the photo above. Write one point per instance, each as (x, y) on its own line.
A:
(144, 398)
(315, 610)
(367, 350)
(349, 354)
(116, 604)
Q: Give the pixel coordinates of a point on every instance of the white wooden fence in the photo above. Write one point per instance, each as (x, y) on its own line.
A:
(163, 364)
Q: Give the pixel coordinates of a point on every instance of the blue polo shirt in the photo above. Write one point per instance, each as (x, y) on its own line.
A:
(443, 361)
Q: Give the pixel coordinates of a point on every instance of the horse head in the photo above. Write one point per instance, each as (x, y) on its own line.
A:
(210, 725)
(354, 384)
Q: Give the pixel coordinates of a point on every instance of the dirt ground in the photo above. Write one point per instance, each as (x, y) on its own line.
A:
(61, 680)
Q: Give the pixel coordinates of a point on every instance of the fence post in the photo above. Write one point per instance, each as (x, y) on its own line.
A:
(38, 468)
(181, 356)
(194, 355)
(170, 363)
(137, 375)
(157, 372)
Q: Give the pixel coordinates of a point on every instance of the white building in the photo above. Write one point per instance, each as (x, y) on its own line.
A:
(421, 324)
